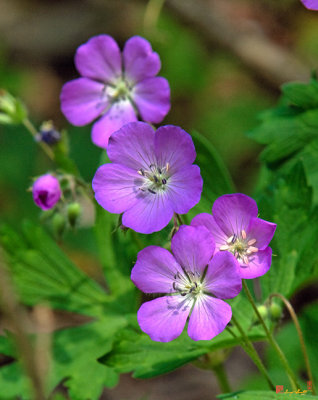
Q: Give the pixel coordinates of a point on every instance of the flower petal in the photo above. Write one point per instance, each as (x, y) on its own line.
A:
(185, 188)
(193, 247)
(163, 319)
(82, 100)
(140, 61)
(261, 230)
(233, 212)
(258, 264)
(173, 145)
(151, 213)
(133, 146)
(223, 277)
(152, 97)
(116, 187)
(154, 270)
(208, 221)
(209, 317)
(99, 59)
(119, 114)
(310, 4)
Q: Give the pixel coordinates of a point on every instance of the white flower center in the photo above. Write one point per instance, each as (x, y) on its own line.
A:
(155, 179)
(242, 247)
(188, 283)
(121, 90)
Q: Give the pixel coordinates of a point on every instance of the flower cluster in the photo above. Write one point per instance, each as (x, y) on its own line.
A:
(116, 87)
(150, 179)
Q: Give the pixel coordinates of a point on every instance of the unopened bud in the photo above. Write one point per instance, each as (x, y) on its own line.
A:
(74, 211)
(58, 224)
(12, 111)
(263, 311)
(48, 134)
(275, 310)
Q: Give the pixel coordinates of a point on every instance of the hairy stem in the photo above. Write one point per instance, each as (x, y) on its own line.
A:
(300, 335)
(222, 378)
(251, 352)
(271, 339)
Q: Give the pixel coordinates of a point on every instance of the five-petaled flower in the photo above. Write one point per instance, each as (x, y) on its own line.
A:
(310, 4)
(194, 284)
(116, 87)
(236, 228)
(151, 176)
(46, 191)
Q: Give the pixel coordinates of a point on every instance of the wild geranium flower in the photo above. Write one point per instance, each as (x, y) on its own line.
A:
(236, 228)
(194, 284)
(46, 191)
(310, 4)
(116, 87)
(151, 176)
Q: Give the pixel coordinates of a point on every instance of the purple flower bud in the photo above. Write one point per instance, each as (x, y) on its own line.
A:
(46, 191)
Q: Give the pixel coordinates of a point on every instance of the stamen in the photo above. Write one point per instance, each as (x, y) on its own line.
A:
(155, 179)
(151, 191)
(141, 172)
(253, 249)
(164, 181)
(167, 167)
(245, 259)
(243, 234)
(230, 239)
(251, 242)
(224, 247)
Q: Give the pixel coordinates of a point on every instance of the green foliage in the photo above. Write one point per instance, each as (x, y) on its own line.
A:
(287, 202)
(43, 274)
(216, 178)
(289, 132)
(262, 395)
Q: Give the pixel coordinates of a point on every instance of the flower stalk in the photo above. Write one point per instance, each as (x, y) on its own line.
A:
(248, 347)
(300, 335)
(272, 341)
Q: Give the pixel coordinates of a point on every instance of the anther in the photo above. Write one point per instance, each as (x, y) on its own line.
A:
(151, 191)
(243, 234)
(230, 239)
(245, 259)
(164, 181)
(155, 179)
(251, 242)
(224, 247)
(141, 172)
(253, 249)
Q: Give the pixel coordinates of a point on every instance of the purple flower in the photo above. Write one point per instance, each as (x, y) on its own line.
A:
(46, 191)
(236, 228)
(116, 87)
(310, 4)
(194, 285)
(151, 177)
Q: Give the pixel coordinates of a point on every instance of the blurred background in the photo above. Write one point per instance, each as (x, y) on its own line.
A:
(225, 61)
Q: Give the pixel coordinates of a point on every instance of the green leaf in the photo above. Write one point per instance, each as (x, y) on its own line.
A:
(289, 132)
(287, 202)
(216, 178)
(43, 273)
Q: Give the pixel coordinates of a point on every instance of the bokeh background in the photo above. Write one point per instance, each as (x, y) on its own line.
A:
(225, 61)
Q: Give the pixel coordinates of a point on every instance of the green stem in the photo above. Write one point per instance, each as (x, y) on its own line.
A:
(290, 373)
(250, 350)
(300, 335)
(30, 127)
(222, 378)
